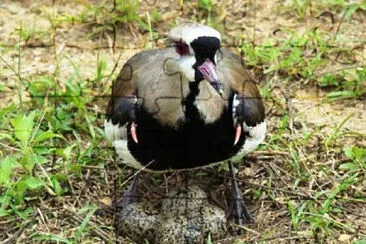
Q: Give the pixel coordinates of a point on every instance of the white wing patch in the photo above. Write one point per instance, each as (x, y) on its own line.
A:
(125, 155)
(114, 132)
(256, 136)
(118, 136)
(235, 105)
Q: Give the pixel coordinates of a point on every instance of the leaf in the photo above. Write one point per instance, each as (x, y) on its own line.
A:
(85, 221)
(56, 186)
(30, 159)
(5, 170)
(348, 152)
(27, 182)
(350, 11)
(7, 136)
(347, 166)
(359, 154)
(3, 212)
(209, 238)
(90, 126)
(340, 94)
(23, 126)
(49, 237)
(34, 183)
(45, 150)
(24, 214)
(359, 242)
(28, 162)
(44, 135)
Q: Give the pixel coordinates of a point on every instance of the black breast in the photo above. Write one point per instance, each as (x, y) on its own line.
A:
(193, 144)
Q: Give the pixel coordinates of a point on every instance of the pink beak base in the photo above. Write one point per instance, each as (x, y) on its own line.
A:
(208, 70)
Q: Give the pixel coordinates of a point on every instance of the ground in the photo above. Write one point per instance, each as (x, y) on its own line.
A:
(58, 59)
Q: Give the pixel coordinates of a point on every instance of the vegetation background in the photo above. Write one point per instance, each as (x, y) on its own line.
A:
(306, 183)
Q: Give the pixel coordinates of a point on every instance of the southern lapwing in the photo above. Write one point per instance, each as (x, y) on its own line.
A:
(186, 106)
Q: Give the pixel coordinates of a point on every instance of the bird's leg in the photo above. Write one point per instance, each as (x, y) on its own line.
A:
(241, 209)
(130, 195)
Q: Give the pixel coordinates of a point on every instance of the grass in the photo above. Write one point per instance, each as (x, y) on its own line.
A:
(56, 168)
(301, 8)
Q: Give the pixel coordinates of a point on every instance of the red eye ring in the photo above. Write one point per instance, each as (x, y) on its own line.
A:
(181, 48)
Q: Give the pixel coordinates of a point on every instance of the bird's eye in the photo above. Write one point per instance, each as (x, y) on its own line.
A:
(181, 48)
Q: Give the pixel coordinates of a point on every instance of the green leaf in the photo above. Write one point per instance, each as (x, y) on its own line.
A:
(24, 214)
(27, 182)
(28, 162)
(348, 152)
(56, 186)
(359, 154)
(3, 212)
(5, 170)
(45, 150)
(292, 209)
(33, 182)
(205, 4)
(49, 237)
(340, 94)
(90, 126)
(359, 242)
(347, 166)
(85, 221)
(209, 239)
(44, 135)
(30, 159)
(23, 126)
(350, 10)
(7, 136)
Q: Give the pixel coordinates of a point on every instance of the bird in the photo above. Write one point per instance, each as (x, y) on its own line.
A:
(189, 105)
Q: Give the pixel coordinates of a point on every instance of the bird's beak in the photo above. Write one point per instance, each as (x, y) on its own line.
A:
(208, 71)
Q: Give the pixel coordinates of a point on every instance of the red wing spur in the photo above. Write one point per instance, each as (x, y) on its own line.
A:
(186, 106)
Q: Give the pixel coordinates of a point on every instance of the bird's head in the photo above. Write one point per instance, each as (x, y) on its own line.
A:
(197, 47)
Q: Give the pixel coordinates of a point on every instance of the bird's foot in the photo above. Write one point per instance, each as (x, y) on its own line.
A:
(238, 206)
(239, 209)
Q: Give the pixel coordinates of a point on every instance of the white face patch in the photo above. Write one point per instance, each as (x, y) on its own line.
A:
(185, 64)
(189, 32)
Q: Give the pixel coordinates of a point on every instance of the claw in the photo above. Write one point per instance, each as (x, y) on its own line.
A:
(237, 134)
(133, 132)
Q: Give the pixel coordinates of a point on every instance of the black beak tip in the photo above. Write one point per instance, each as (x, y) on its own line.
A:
(218, 87)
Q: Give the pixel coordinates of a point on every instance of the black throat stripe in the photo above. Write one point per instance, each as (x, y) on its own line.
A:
(190, 110)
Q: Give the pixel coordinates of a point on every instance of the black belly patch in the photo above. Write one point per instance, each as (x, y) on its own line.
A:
(194, 144)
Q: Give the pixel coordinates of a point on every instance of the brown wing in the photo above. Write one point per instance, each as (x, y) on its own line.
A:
(123, 101)
(250, 108)
(150, 80)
